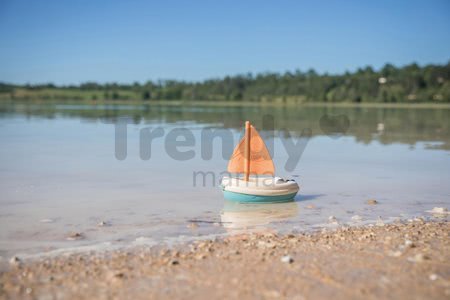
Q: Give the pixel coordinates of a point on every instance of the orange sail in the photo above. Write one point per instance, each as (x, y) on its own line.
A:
(251, 155)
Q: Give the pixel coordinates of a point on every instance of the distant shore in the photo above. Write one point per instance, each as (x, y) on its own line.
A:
(396, 261)
(390, 84)
(424, 105)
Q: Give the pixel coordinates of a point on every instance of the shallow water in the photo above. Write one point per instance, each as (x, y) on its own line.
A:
(59, 172)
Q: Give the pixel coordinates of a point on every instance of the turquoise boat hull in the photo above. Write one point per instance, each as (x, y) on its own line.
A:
(246, 198)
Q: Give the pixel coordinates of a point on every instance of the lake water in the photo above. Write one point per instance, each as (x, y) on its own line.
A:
(62, 170)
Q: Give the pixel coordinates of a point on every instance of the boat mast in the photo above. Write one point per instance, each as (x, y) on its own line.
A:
(247, 151)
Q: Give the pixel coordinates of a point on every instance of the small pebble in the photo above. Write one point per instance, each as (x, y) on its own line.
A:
(15, 260)
(418, 258)
(75, 236)
(115, 275)
(372, 202)
(433, 277)
(357, 218)
(310, 206)
(395, 253)
(200, 256)
(409, 244)
(287, 259)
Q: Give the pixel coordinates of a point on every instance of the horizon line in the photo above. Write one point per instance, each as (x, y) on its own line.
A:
(252, 73)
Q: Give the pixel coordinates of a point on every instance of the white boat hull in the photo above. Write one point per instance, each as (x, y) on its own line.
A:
(259, 189)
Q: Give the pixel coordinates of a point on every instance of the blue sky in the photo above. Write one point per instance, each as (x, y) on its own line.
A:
(125, 41)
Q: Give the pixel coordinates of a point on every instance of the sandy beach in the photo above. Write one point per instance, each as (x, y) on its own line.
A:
(409, 260)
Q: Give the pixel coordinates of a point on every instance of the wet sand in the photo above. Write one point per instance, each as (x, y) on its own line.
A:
(396, 261)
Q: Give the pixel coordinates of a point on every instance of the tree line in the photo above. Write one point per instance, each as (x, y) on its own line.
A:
(410, 83)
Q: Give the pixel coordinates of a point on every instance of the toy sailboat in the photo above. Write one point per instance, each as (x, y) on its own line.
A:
(251, 157)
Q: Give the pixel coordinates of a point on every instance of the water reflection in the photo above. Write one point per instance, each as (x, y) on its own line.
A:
(237, 216)
(386, 125)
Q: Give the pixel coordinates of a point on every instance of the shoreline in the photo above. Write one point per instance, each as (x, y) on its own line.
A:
(397, 260)
(221, 103)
